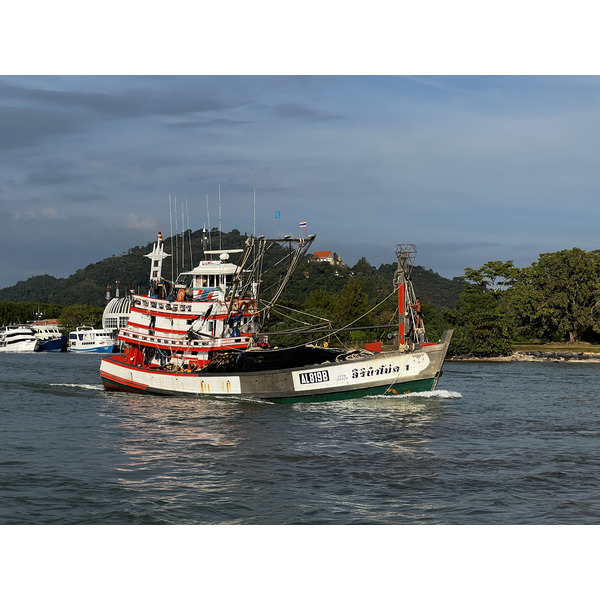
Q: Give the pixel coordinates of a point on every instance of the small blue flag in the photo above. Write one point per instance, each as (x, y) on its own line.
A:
(277, 215)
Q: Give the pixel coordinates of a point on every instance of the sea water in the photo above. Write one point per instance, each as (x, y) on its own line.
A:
(497, 443)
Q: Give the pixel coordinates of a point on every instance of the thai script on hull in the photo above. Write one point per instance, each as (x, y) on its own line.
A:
(370, 372)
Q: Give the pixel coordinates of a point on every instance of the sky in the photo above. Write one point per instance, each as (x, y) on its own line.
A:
(470, 167)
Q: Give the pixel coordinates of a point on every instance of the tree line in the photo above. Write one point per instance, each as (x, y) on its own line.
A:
(70, 317)
(557, 298)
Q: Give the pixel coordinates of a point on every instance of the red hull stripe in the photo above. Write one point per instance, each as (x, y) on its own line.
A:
(122, 382)
(185, 316)
(131, 324)
(166, 315)
(121, 362)
(182, 347)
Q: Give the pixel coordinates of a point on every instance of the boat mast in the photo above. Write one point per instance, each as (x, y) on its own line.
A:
(182, 238)
(208, 218)
(187, 210)
(220, 232)
(406, 257)
(173, 277)
(156, 256)
(176, 243)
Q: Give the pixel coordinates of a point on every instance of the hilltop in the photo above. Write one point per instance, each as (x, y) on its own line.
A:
(131, 269)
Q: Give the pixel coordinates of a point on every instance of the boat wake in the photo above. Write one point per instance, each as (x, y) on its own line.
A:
(446, 394)
(83, 386)
(443, 394)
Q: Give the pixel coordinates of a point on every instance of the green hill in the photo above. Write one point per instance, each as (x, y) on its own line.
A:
(131, 269)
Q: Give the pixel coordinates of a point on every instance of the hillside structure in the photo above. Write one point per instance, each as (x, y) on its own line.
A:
(326, 256)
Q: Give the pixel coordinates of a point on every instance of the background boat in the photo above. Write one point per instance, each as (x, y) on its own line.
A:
(51, 338)
(88, 339)
(18, 338)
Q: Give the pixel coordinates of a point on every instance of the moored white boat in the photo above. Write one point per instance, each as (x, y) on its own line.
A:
(51, 338)
(18, 338)
(202, 338)
(88, 339)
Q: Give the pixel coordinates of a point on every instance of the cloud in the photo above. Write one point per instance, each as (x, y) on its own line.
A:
(369, 162)
(49, 212)
(137, 96)
(216, 122)
(54, 172)
(298, 111)
(23, 127)
(133, 222)
(45, 212)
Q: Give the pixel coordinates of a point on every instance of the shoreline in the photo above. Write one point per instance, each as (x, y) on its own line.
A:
(532, 356)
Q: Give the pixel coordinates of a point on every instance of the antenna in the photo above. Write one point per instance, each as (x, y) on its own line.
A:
(171, 224)
(182, 238)
(220, 232)
(208, 217)
(187, 209)
(176, 230)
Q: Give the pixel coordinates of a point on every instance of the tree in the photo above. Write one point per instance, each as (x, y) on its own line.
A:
(482, 325)
(353, 304)
(79, 315)
(494, 276)
(558, 296)
(321, 299)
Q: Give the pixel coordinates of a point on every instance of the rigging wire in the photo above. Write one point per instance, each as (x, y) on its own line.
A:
(348, 324)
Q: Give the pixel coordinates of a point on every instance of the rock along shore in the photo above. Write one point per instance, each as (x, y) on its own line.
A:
(535, 356)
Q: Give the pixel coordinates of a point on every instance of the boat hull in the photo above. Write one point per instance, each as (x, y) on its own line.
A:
(375, 374)
(23, 346)
(54, 344)
(106, 349)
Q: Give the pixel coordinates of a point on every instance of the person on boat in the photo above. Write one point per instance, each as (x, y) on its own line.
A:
(418, 320)
(235, 324)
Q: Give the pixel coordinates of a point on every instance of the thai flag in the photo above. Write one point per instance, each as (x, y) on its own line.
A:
(302, 224)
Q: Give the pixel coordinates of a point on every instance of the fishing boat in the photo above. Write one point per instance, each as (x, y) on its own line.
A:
(88, 339)
(18, 338)
(202, 335)
(51, 338)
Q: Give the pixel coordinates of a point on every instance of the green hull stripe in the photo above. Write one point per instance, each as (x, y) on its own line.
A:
(423, 385)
